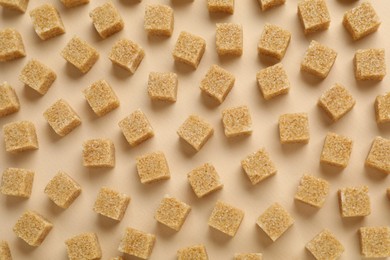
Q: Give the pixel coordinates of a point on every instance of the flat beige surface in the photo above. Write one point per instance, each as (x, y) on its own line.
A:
(292, 161)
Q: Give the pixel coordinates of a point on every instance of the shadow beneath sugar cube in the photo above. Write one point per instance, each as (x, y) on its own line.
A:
(182, 68)
(263, 238)
(72, 72)
(218, 17)
(30, 94)
(14, 202)
(374, 174)
(9, 14)
(51, 135)
(119, 72)
(324, 118)
(23, 248)
(208, 101)
(367, 85)
(53, 208)
(105, 223)
(236, 140)
(226, 59)
(353, 222)
(130, 3)
(330, 170)
(179, 3)
(158, 105)
(163, 231)
(267, 61)
(186, 149)
(304, 210)
(218, 237)
(384, 128)
(310, 79)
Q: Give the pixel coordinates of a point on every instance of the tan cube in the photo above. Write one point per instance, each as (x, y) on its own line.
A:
(226, 218)
(354, 202)
(273, 81)
(159, 20)
(294, 128)
(162, 86)
(5, 252)
(37, 76)
(258, 166)
(47, 21)
(74, 3)
(268, 4)
(152, 167)
(62, 190)
(274, 41)
(221, 6)
(17, 182)
(375, 242)
(32, 228)
(197, 252)
(172, 212)
(18, 5)
(136, 128)
(11, 45)
(275, 221)
(111, 203)
(20, 136)
(336, 102)
(312, 191)
(248, 256)
(204, 180)
(189, 49)
(379, 155)
(361, 21)
(314, 15)
(229, 39)
(325, 246)
(80, 54)
(106, 19)
(98, 153)
(9, 101)
(83, 246)
(382, 108)
(195, 131)
(318, 60)
(217, 83)
(117, 258)
(370, 64)
(237, 121)
(336, 150)
(127, 55)
(101, 97)
(137, 243)
(62, 118)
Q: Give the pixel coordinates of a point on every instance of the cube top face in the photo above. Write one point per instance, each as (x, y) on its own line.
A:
(17, 182)
(294, 128)
(325, 246)
(163, 86)
(354, 202)
(136, 128)
(37, 76)
(217, 83)
(195, 131)
(361, 21)
(61, 117)
(226, 218)
(62, 190)
(18, 5)
(127, 55)
(11, 45)
(237, 121)
(47, 21)
(379, 155)
(20, 136)
(336, 150)
(9, 101)
(137, 243)
(273, 81)
(314, 15)
(229, 39)
(268, 4)
(106, 19)
(159, 20)
(83, 246)
(258, 166)
(111, 203)
(312, 191)
(382, 108)
(221, 6)
(189, 49)
(172, 213)
(204, 180)
(274, 41)
(197, 252)
(152, 167)
(370, 64)
(375, 241)
(101, 97)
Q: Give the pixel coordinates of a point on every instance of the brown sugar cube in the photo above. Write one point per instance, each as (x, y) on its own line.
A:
(62, 118)
(172, 212)
(20, 136)
(47, 21)
(9, 101)
(204, 180)
(152, 167)
(361, 21)
(74, 3)
(111, 203)
(98, 153)
(370, 64)
(258, 166)
(379, 155)
(162, 86)
(5, 252)
(197, 252)
(325, 246)
(248, 256)
(273, 81)
(237, 121)
(136, 128)
(17, 182)
(32, 228)
(117, 258)
(101, 97)
(11, 45)
(336, 102)
(189, 49)
(159, 20)
(37, 76)
(83, 246)
(62, 190)
(354, 202)
(268, 4)
(314, 15)
(18, 5)
(318, 60)
(195, 131)
(274, 41)
(217, 83)
(375, 242)
(312, 191)
(336, 150)
(80, 54)
(274, 221)
(106, 19)
(221, 6)
(137, 243)
(382, 108)
(127, 55)
(294, 128)
(226, 218)
(229, 39)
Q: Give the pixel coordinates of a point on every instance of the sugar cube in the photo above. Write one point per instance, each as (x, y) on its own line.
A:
(217, 83)
(268, 4)
(47, 21)
(382, 108)
(83, 246)
(229, 39)
(127, 55)
(98, 153)
(37, 76)
(204, 180)
(152, 167)
(336, 150)
(314, 15)
(101, 97)
(20, 136)
(197, 252)
(258, 166)
(294, 128)
(162, 86)
(189, 49)
(274, 41)
(195, 131)
(11, 45)
(226, 218)
(9, 101)
(159, 20)
(106, 19)
(221, 6)
(17, 182)
(111, 203)
(375, 242)
(137, 243)
(312, 191)
(325, 246)
(273, 81)
(172, 212)
(370, 64)
(354, 201)
(379, 155)
(136, 128)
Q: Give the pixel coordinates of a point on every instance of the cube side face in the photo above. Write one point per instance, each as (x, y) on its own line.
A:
(80, 54)
(18, 5)
(189, 49)
(9, 101)
(172, 213)
(258, 166)
(195, 131)
(47, 21)
(74, 3)
(336, 150)
(137, 243)
(229, 39)
(221, 6)
(127, 55)
(152, 167)
(237, 121)
(106, 20)
(336, 102)
(312, 191)
(37, 76)
(370, 64)
(318, 60)
(62, 190)
(294, 128)
(354, 202)
(268, 4)
(197, 252)
(99, 153)
(375, 241)
(11, 45)
(274, 41)
(248, 256)
(382, 108)
(83, 246)
(20, 136)
(204, 180)
(62, 118)
(136, 128)
(17, 182)
(226, 218)
(159, 20)
(101, 98)
(5, 252)
(32, 228)
(273, 81)
(217, 83)
(314, 15)
(379, 155)
(111, 203)
(162, 86)
(325, 246)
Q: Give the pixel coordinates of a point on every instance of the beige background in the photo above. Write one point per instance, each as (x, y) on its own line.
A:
(291, 160)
